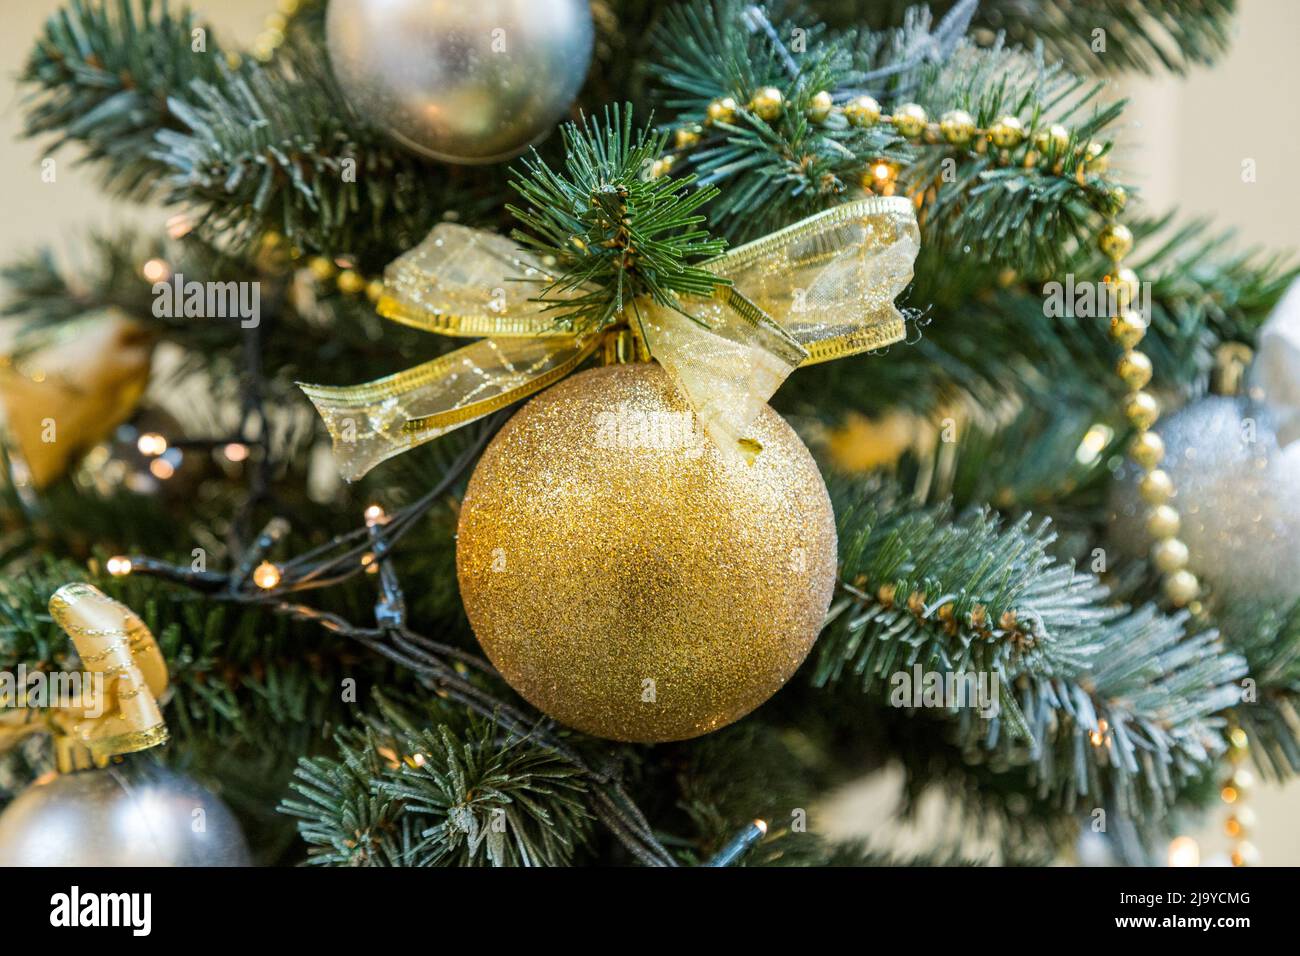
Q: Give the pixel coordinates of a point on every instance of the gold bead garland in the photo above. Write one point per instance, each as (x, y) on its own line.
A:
(956, 128)
(1169, 554)
(339, 272)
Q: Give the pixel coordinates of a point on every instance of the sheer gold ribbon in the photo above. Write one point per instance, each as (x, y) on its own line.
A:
(116, 708)
(820, 289)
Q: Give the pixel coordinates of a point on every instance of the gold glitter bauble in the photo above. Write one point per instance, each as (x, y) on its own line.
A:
(627, 578)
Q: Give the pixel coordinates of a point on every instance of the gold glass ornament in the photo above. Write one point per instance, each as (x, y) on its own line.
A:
(627, 578)
(1007, 133)
(862, 111)
(767, 103)
(461, 82)
(910, 120)
(820, 106)
(66, 394)
(957, 126)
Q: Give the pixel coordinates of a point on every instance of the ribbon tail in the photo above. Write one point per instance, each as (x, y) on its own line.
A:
(371, 423)
(120, 714)
(727, 358)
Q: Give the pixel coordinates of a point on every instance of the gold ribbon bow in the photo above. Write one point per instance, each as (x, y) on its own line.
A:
(111, 707)
(820, 289)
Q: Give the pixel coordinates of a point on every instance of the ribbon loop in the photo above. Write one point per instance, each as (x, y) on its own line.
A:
(831, 279)
(468, 282)
(820, 289)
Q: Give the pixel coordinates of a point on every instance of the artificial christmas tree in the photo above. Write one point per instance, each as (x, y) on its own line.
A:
(799, 165)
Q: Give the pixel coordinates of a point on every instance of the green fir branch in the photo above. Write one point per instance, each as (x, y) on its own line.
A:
(102, 74)
(616, 230)
(1142, 36)
(467, 794)
(1269, 637)
(1100, 703)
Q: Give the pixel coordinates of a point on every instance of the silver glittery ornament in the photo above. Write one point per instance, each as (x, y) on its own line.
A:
(1238, 494)
(131, 814)
(463, 81)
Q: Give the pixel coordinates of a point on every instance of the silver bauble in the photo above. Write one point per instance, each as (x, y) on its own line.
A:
(463, 81)
(1238, 494)
(124, 815)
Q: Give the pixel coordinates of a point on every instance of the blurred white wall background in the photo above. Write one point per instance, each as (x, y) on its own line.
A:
(1183, 145)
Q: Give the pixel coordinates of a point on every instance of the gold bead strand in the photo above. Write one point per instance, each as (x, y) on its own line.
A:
(1127, 329)
(345, 277)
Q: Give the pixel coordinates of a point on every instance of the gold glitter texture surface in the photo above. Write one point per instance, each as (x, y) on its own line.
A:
(627, 578)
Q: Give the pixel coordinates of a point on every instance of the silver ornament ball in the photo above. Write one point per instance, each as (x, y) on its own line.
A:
(123, 815)
(462, 81)
(1237, 493)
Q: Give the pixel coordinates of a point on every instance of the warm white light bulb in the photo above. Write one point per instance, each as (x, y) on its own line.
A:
(156, 270)
(1184, 851)
(151, 444)
(266, 575)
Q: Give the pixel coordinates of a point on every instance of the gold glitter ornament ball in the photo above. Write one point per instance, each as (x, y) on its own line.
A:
(628, 579)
